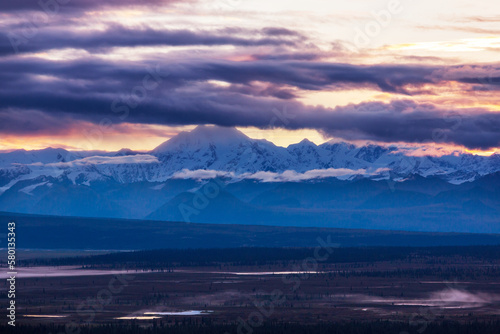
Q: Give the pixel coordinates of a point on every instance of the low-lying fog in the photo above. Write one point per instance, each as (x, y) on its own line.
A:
(446, 299)
(63, 271)
(148, 315)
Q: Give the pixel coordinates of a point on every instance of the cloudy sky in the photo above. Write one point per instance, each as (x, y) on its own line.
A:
(89, 74)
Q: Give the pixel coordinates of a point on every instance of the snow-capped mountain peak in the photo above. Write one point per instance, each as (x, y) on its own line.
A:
(219, 148)
(202, 136)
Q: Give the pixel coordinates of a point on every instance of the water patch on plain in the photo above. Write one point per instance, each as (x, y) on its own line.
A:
(179, 313)
(138, 318)
(44, 316)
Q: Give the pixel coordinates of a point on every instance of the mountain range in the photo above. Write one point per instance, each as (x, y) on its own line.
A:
(219, 175)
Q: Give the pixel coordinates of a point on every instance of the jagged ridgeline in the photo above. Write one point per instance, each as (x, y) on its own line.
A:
(257, 182)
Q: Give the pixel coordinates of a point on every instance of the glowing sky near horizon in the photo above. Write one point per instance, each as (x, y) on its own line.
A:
(108, 75)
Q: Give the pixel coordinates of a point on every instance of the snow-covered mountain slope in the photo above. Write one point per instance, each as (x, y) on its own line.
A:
(225, 149)
(229, 150)
(48, 155)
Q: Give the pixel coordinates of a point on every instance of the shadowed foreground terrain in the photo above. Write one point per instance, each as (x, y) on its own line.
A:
(386, 327)
(264, 290)
(76, 233)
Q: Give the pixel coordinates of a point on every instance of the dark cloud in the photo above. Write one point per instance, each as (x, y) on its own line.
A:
(41, 96)
(318, 75)
(52, 7)
(486, 80)
(273, 31)
(299, 74)
(399, 121)
(287, 56)
(406, 121)
(117, 36)
(34, 122)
